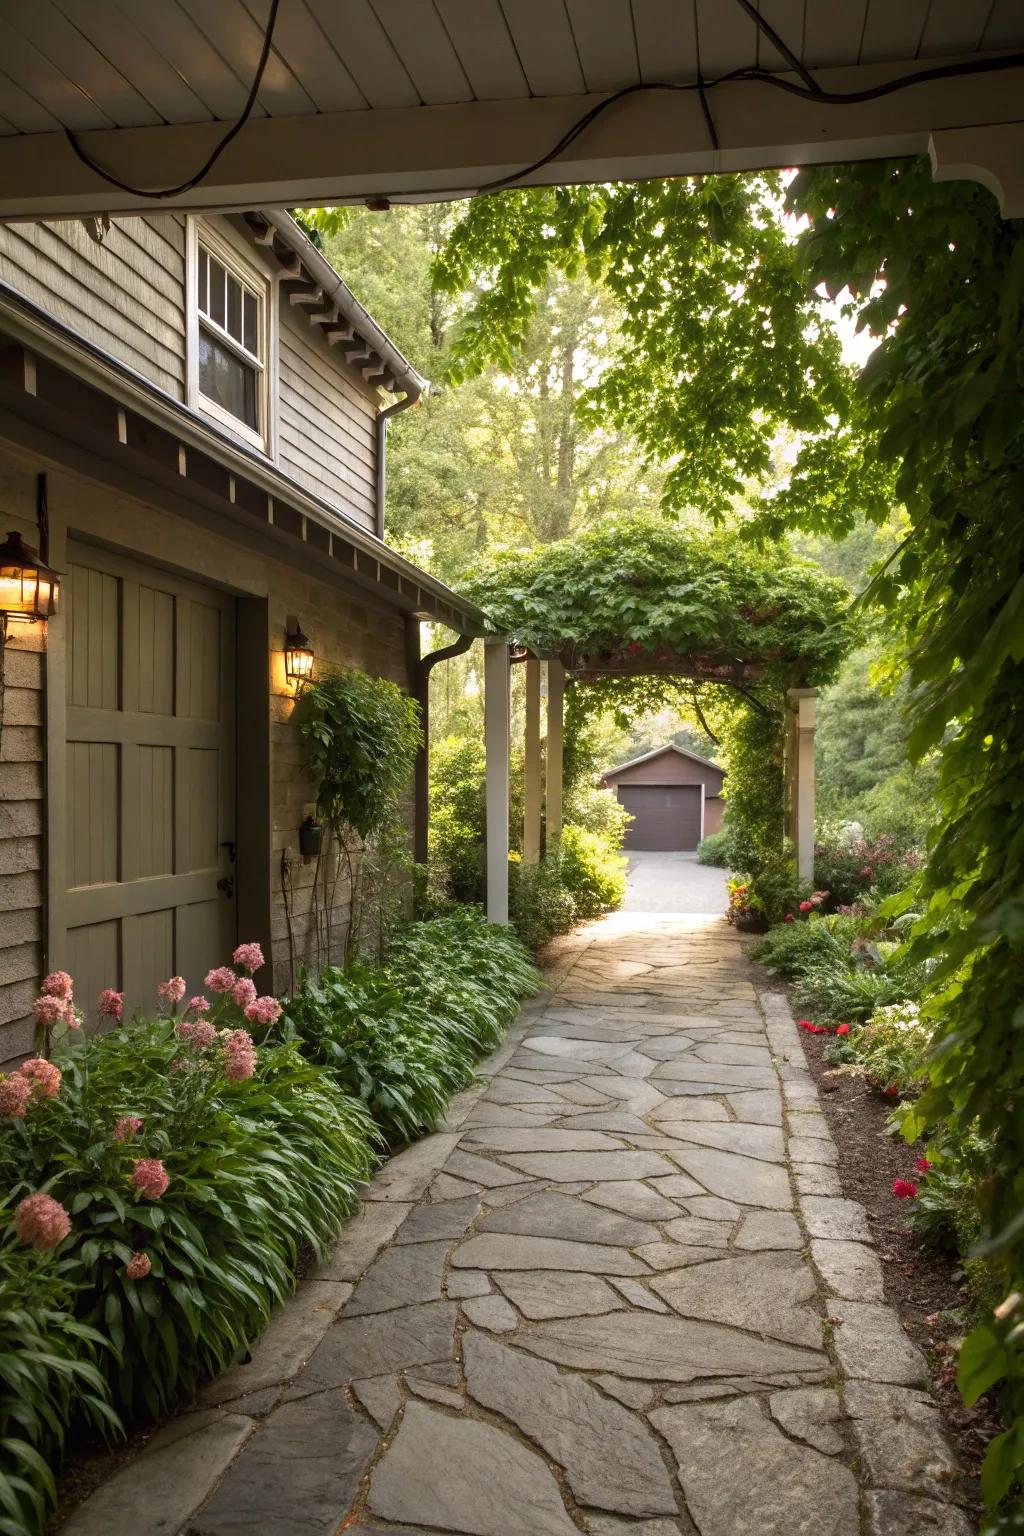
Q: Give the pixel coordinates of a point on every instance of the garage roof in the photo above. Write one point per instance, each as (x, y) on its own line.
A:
(646, 757)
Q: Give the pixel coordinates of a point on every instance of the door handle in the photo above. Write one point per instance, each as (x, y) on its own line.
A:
(227, 885)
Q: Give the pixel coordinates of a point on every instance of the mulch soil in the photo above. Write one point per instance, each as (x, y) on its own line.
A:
(924, 1285)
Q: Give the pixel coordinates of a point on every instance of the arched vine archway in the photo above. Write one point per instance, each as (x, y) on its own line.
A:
(641, 611)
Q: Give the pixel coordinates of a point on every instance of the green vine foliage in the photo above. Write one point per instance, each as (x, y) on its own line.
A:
(704, 617)
(362, 734)
(940, 410)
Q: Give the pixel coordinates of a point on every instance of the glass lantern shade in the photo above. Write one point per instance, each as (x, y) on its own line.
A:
(298, 656)
(29, 589)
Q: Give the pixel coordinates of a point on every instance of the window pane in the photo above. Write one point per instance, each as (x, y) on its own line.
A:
(233, 325)
(204, 282)
(251, 314)
(218, 277)
(226, 380)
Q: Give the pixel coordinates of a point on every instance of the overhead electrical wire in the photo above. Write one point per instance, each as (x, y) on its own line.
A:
(807, 90)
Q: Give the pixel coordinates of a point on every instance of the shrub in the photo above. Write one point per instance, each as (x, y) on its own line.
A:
(539, 903)
(457, 768)
(593, 871)
(771, 894)
(715, 850)
(792, 949)
(848, 865)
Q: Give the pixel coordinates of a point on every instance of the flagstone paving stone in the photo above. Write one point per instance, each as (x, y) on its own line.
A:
(599, 1300)
(784, 1489)
(466, 1476)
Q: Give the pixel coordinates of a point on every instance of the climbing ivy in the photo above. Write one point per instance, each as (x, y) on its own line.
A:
(938, 274)
(361, 737)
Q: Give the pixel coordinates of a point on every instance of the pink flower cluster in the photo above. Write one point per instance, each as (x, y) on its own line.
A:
(172, 991)
(138, 1266)
(55, 1003)
(239, 1055)
(904, 1189)
(110, 1004)
(221, 980)
(126, 1126)
(264, 1010)
(198, 1004)
(150, 1177)
(249, 957)
(198, 1032)
(44, 1076)
(15, 1093)
(244, 992)
(41, 1221)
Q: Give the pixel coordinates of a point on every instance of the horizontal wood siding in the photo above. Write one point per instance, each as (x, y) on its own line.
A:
(325, 425)
(125, 293)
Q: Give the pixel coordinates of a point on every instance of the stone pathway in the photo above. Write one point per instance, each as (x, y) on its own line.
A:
(621, 1294)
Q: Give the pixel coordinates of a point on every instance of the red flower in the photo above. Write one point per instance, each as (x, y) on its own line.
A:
(842, 1029)
(892, 1091)
(812, 1029)
(903, 1189)
(923, 1165)
(789, 917)
(806, 906)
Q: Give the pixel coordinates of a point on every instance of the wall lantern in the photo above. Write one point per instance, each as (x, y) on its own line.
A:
(298, 653)
(29, 589)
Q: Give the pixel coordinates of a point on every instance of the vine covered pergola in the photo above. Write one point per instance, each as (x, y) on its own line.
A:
(642, 611)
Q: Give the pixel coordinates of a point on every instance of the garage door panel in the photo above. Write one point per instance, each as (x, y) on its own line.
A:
(666, 816)
(151, 778)
(93, 957)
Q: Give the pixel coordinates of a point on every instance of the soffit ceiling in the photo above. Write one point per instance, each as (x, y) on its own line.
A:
(374, 67)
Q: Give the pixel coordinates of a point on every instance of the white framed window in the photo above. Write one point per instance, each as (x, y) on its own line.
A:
(229, 370)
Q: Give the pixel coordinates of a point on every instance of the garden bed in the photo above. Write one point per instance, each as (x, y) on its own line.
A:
(924, 1285)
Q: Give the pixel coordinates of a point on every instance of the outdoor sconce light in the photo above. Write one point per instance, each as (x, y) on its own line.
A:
(29, 589)
(298, 653)
(310, 834)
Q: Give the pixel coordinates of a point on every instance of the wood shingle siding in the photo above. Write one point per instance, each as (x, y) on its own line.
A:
(21, 794)
(325, 425)
(126, 294)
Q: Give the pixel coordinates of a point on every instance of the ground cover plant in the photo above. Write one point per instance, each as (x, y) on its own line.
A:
(402, 1038)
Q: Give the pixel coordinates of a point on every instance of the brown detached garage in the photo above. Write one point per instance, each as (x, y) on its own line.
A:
(674, 797)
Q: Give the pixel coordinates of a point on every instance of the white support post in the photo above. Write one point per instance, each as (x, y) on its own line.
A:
(496, 746)
(803, 704)
(553, 757)
(532, 789)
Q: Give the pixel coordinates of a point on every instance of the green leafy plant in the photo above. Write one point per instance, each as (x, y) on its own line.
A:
(49, 1374)
(540, 903)
(715, 850)
(405, 1037)
(593, 871)
(361, 736)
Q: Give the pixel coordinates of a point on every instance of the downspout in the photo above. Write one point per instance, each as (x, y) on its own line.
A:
(384, 414)
(420, 672)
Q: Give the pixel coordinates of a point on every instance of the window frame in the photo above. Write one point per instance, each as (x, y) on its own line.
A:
(246, 272)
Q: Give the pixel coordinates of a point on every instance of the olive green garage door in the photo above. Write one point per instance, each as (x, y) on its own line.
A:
(147, 888)
(666, 816)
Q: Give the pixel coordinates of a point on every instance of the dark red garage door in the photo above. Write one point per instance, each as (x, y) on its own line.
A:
(666, 816)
